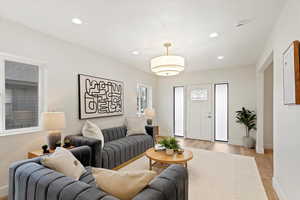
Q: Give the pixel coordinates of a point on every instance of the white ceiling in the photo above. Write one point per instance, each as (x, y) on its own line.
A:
(115, 28)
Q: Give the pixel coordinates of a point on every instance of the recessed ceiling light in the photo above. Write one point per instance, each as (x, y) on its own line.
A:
(220, 57)
(135, 53)
(214, 35)
(76, 21)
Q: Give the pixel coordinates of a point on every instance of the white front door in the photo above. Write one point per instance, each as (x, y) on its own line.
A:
(199, 112)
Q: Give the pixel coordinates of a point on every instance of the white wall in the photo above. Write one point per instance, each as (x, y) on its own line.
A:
(268, 107)
(286, 118)
(64, 61)
(242, 92)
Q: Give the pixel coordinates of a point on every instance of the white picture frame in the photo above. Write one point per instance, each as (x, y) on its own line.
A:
(99, 97)
(291, 74)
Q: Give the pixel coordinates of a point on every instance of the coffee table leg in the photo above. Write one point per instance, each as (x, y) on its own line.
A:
(150, 164)
(185, 165)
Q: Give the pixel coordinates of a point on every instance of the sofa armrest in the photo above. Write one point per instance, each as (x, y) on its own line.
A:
(171, 184)
(149, 130)
(83, 154)
(34, 181)
(12, 173)
(96, 146)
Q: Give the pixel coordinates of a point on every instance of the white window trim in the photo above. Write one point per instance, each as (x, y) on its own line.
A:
(41, 96)
(149, 100)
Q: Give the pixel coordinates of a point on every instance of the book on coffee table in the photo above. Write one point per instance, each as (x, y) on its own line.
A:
(159, 147)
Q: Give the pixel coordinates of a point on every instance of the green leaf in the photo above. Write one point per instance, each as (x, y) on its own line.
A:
(246, 117)
(170, 143)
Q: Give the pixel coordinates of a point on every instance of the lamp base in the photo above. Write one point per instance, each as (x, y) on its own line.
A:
(53, 138)
(149, 122)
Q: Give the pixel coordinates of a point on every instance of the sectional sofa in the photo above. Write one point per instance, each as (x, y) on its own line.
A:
(29, 180)
(118, 147)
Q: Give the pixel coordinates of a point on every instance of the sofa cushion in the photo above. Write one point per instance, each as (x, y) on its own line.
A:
(91, 130)
(135, 125)
(119, 151)
(115, 133)
(116, 182)
(88, 177)
(63, 161)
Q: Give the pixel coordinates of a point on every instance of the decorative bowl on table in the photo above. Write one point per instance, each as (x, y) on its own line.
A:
(169, 152)
(180, 151)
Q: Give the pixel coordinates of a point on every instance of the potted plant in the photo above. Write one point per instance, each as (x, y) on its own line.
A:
(67, 143)
(171, 145)
(248, 119)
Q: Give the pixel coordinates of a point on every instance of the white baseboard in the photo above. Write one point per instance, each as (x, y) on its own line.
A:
(260, 150)
(235, 141)
(278, 189)
(268, 146)
(3, 190)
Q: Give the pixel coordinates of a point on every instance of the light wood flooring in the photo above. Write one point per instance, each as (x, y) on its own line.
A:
(264, 161)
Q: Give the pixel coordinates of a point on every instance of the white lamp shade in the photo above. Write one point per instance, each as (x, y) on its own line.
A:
(149, 112)
(54, 121)
(167, 65)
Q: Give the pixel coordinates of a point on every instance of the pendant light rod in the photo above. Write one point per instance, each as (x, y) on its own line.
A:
(167, 45)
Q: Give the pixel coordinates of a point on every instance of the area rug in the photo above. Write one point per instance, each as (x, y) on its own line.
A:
(218, 176)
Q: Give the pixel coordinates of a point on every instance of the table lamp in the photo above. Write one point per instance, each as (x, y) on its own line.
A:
(149, 114)
(53, 122)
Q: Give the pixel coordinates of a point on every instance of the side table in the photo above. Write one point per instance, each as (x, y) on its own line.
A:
(37, 153)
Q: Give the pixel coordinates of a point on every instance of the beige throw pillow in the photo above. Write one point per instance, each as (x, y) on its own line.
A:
(135, 125)
(63, 161)
(91, 130)
(123, 185)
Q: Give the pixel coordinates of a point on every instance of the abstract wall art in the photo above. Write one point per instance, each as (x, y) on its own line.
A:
(99, 97)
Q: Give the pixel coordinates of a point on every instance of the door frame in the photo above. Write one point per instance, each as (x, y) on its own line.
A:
(263, 65)
(184, 110)
(214, 110)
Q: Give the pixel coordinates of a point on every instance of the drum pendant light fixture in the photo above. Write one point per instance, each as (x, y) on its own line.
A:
(167, 65)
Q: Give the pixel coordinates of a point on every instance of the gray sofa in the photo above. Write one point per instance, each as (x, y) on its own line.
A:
(29, 180)
(118, 147)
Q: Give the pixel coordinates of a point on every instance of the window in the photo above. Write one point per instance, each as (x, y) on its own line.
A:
(221, 112)
(144, 98)
(199, 95)
(178, 112)
(20, 103)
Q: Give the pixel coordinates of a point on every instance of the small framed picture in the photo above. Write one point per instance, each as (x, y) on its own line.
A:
(291, 74)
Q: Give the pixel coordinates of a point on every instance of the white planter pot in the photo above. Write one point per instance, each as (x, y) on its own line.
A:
(248, 142)
(169, 152)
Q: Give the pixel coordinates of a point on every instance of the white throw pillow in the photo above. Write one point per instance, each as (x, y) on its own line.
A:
(63, 161)
(135, 125)
(91, 130)
(123, 185)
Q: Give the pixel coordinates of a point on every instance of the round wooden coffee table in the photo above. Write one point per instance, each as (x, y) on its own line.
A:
(162, 157)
